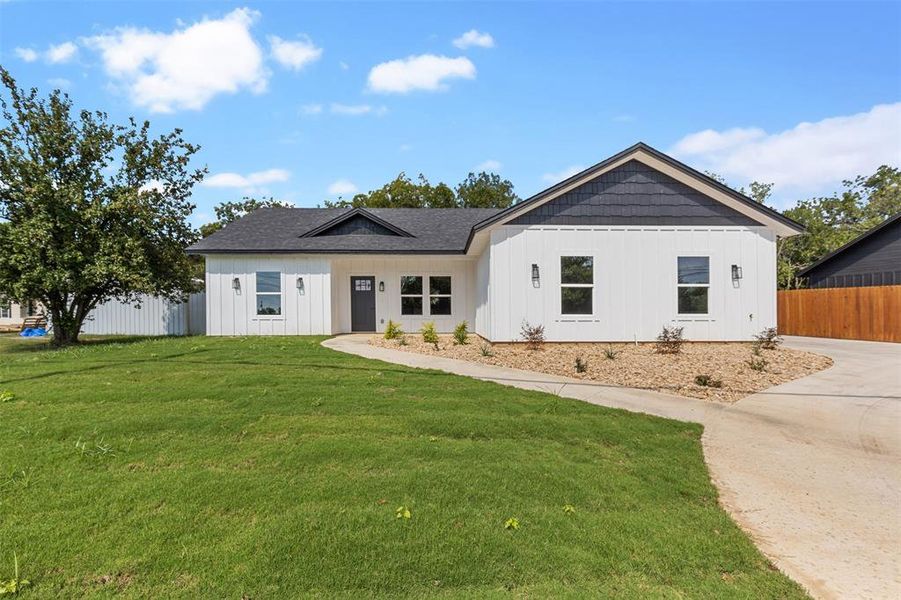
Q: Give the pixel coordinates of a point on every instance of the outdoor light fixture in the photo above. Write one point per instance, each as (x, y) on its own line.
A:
(381, 286)
(536, 278)
(736, 272)
(236, 284)
(300, 287)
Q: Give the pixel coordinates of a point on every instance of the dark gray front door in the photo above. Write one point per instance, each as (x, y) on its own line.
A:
(362, 303)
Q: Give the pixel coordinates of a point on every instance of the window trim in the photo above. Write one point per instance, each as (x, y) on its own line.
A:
(281, 300)
(707, 285)
(572, 254)
(449, 296)
(6, 308)
(421, 312)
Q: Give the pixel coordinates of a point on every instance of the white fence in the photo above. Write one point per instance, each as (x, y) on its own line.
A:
(154, 316)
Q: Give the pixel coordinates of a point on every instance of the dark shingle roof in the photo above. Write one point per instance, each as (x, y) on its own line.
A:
(269, 230)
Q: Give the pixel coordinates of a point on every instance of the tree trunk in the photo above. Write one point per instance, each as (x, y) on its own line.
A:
(66, 327)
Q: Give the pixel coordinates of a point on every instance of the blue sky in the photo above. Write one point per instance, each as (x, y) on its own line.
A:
(306, 101)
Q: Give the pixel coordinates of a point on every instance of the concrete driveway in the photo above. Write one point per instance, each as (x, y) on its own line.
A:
(810, 469)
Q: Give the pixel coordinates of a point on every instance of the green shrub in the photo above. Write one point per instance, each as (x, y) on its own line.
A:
(393, 330)
(581, 365)
(670, 340)
(769, 338)
(430, 334)
(486, 350)
(708, 381)
(610, 353)
(758, 364)
(461, 333)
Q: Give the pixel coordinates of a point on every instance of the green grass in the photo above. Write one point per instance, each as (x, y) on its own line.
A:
(273, 468)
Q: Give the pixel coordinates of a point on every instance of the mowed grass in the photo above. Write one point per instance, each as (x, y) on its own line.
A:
(273, 468)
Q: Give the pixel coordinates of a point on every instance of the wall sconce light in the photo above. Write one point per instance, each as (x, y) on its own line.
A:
(736, 272)
(381, 286)
(236, 284)
(300, 287)
(536, 276)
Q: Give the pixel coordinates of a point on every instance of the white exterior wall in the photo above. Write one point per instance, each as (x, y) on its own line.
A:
(233, 312)
(17, 314)
(635, 291)
(483, 294)
(389, 269)
(154, 316)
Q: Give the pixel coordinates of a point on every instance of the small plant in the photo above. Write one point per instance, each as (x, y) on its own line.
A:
(393, 330)
(461, 333)
(485, 350)
(610, 353)
(755, 349)
(98, 449)
(402, 512)
(512, 523)
(402, 340)
(769, 338)
(758, 364)
(14, 585)
(708, 381)
(533, 335)
(670, 340)
(430, 334)
(6, 396)
(568, 509)
(581, 365)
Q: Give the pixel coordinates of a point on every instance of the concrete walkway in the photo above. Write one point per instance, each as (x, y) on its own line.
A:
(810, 469)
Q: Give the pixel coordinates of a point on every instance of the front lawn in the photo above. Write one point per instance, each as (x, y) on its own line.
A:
(274, 468)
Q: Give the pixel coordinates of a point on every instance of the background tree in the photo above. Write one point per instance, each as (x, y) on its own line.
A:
(485, 190)
(227, 212)
(93, 211)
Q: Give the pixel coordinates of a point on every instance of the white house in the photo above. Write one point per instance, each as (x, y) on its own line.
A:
(613, 253)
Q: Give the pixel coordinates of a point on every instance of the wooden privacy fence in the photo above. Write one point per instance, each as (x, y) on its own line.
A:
(853, 313)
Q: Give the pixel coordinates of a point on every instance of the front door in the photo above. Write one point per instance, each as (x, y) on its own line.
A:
(362, 303)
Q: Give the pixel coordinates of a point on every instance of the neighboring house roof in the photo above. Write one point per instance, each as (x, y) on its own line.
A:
(842, 249)
(311, 230)
(447, 230)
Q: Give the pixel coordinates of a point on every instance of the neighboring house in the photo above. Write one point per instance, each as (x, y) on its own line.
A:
(12, 314)
(874, 258)
(615, 252)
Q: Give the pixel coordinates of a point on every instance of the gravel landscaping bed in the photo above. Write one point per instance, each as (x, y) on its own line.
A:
(638, 366)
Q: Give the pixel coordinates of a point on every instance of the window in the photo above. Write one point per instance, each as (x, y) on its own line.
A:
(440, 295)
(5, 309)
(411, 295)
(576, 285)
(269, 293)
(693, 285)
(362, 285)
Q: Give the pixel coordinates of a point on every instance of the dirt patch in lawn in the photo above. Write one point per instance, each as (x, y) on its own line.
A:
(639, 366)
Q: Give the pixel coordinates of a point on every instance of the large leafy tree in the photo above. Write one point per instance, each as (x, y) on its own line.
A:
(92, 210)
(477, 191)
(228, 212)
(485, 190)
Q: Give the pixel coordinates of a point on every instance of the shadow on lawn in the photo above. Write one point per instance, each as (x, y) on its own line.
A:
(18, 344)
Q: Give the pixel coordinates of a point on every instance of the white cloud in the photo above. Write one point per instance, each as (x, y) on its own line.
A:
(809, 157)
(60, 83)
(342, 187)
(252, 180)
(26, 54)
(61, 53)
(356, 110)
(564, 174)
(311, 109)
(153, 185)
(424, 72)
(490, 165)
(294, 55)
(474, 38)
(188, 67)
(344, 66)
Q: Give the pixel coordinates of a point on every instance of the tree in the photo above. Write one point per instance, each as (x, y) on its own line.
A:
(756, 191)
(485, 190)
(93, 210)
(835, 220)
(228, 212)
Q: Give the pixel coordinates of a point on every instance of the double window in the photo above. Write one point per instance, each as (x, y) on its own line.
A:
(412, 295)
(693, 293)
(576, 285)
(269, 293)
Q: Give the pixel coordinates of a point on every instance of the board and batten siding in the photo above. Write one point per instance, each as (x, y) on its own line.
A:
(635, 276)
(389, 270)
(149, 316)
(233, 312)
(483, 298)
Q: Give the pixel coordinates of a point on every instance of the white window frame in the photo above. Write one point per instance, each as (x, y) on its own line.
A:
(281, 299)
(430, 295)
(420, 295)
(6, 308)
(577, 285)
(694, 285)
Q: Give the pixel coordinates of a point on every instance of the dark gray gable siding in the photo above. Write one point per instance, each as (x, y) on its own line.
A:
(357, 225)
(633, 194)
(875, 260)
